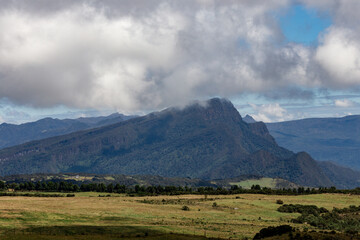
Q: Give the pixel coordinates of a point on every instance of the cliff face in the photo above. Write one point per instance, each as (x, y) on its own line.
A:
(208, 141)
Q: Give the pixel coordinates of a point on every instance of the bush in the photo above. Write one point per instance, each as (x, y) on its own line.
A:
(344, 220)
(303, 209)
(185, 208)
(279, 202)
(273, 231)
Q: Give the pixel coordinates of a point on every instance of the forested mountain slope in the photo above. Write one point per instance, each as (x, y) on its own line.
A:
(207, 142)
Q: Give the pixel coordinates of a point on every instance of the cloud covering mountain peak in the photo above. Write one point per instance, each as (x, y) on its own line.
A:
(141, 55)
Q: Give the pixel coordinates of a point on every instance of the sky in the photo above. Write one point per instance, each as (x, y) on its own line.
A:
(276, 60)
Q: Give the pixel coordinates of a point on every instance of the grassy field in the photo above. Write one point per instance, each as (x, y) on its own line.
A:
(88, 216)
(263, 182)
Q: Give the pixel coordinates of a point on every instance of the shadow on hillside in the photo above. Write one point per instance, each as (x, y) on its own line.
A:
(92, 232)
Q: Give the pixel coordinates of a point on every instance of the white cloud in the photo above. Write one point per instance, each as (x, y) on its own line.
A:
(10, 114)
(336, 62)
(344, 103)
(82, 58)
(339, 56)
(87, 56)
(137, 55)
(270, 113)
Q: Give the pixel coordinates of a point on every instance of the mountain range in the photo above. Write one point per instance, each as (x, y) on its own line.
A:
(11, 134)
(206, 142)
(326, 139)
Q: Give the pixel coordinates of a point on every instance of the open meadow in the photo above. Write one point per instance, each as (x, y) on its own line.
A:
(90, 216)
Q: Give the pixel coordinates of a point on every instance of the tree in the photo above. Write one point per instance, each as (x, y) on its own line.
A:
(75, 188)
(30, 186)
(120, 188)
(2, 185)
(38, 186)
(101, 187)
(110, 188)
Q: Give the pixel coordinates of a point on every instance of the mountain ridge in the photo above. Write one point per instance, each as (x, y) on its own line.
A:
(326, 139)
(13, 134)
(197, 141)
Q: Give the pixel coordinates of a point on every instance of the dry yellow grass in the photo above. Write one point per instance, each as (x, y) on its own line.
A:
(232, 217)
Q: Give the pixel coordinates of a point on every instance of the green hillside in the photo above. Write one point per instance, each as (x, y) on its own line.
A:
(210, 142)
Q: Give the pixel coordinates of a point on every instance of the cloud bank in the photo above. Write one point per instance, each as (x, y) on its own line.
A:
(270, 113)
(141, 55)
(344, 103)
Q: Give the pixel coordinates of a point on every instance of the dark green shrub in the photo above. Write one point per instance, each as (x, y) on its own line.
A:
(185, 208)
(273, 231)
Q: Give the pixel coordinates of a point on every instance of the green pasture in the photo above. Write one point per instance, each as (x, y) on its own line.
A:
(116, 216)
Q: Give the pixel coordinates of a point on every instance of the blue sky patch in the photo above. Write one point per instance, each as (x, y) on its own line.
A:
(303, 25)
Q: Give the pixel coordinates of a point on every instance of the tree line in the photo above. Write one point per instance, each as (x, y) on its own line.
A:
(65, 186)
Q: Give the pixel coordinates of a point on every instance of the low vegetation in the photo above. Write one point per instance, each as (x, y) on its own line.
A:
(345, 219)
(68, 186)
(303, 209)
(33, 194)
(286, 232)
(90, 215)
(273, 231)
